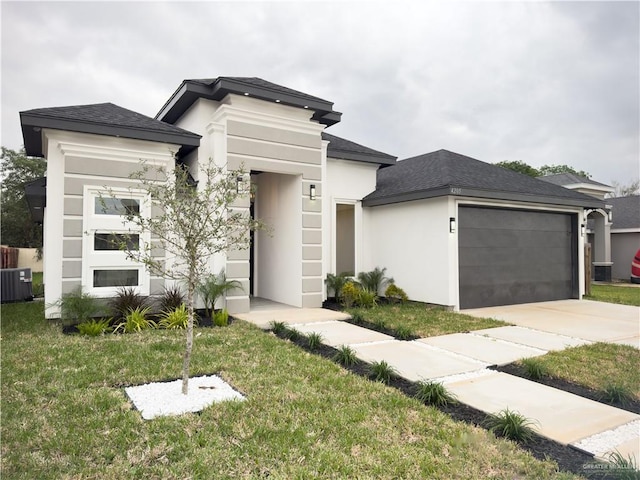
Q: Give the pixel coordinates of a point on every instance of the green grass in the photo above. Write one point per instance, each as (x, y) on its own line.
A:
(615, 294)
(597, 366)
(64, 413)
(423, 320)
(36, 284)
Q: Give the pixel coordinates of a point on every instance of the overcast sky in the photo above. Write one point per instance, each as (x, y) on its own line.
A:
(541, 82)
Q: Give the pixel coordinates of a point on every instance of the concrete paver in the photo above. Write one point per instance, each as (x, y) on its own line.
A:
(595, 321)
(416, 361)
(484, 349)
(532, 338)
(337, 333)
(262, 318)
(561, 416)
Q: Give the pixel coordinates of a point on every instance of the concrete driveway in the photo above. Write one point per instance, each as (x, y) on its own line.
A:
(585, 319)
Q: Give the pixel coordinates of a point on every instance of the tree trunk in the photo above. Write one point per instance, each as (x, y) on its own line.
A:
(189, 346)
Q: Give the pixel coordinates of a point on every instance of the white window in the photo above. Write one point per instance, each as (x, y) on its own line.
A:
(105, 264)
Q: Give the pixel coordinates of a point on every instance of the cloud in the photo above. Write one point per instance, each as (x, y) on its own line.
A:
(539, 82)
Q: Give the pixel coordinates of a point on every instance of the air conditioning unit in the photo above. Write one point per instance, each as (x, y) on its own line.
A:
(15, 285)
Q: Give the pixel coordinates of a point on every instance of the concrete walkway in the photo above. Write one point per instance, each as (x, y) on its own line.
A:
(585, 319)
(460, 361)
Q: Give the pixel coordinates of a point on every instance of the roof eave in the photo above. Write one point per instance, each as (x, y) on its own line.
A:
(190, 91)
(32, 126)
(339, 154)
(485, 194)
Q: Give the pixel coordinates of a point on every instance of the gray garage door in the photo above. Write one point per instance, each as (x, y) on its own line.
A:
(515, 256)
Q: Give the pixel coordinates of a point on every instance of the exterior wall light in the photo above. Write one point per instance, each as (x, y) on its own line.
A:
(452, 225)
(312, 192)
(583, 229)
(239, 181)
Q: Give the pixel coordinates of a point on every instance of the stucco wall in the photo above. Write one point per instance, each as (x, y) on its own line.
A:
(623, 248)
(347, 182)
(75, 160)
(268, 138)
(412, 240)
(28, 258)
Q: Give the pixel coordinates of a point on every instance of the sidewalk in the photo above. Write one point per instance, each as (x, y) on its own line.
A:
(460, 361)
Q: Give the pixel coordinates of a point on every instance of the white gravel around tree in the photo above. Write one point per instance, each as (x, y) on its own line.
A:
(166, 398)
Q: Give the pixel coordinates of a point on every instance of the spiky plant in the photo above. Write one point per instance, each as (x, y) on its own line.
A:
(375, 280)
(177, 318)
(534, 368)
(278, 327)
(346, 356)
(512, 425)
(404, 332)
(94, 327)
(314, 340)
(434, 393)
(616, 394)
(382, 372)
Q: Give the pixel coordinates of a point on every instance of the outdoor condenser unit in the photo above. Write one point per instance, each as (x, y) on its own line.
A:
(15, 285)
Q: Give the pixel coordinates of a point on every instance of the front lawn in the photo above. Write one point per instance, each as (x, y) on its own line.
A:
(615, 294)
(596, 366)
(423, 320)
(65, 415)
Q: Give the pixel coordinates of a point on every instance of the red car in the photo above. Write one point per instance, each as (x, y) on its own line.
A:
(635, 268)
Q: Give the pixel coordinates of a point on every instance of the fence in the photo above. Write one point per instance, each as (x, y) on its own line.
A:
(9, 257)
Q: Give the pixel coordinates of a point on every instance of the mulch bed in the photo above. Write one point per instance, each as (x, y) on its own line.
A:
(561, 384)
(568, 458)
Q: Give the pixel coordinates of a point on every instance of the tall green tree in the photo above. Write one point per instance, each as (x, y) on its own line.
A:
(526, 169)
(520, 167)
(17, 228)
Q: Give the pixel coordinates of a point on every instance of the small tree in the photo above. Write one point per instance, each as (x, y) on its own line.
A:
(625, 190)
(190, 223)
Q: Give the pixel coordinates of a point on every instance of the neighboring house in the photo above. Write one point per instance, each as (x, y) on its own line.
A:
(598, 220)
(625, 234)
(450, 229)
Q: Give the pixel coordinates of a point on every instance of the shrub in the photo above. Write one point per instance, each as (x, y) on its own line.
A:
(93, 328)
(135, 321)
(78, 307)
(221, 318)
(350, 294)
(346, 356)
(314, 340)
(213, 287)
(380, 323)
(176, 318)
(434, 393)
(366, 298)
(278, 327)
(403, 332)
(171, 299)
(127, 300)
(616, 395)
(534, 368)
(625, 467)
(395, 293)
(511, 425)
(293, 334)
(374, 280)
(382, 372)
(335, 283)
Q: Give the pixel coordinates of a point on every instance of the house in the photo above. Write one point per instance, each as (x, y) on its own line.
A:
(598, 220)
(452, 230)
(625, 234)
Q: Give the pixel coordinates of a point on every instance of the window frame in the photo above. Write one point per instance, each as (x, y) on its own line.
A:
(101, 223)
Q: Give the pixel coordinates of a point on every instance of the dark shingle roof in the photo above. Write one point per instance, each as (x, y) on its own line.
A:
(101, 119)
(218, 88)
(446, 173)
(563, 179)
(347, 150)
(626, 211)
